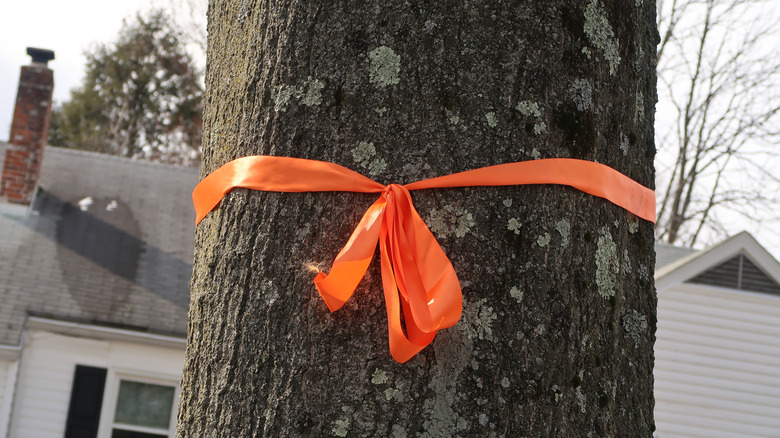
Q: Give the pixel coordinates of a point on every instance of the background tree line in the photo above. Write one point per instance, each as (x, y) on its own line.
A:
(141, 97)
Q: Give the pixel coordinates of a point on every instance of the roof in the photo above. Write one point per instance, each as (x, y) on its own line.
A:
(108, 241)
(667, 254)
(738, 262)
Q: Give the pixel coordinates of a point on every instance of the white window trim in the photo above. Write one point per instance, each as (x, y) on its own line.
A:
(111, 392)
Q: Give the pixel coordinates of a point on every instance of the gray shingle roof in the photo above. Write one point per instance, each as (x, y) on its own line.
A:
(667, 254)
(109, 242)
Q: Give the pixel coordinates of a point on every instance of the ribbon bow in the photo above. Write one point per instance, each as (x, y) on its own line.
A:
(417, 277)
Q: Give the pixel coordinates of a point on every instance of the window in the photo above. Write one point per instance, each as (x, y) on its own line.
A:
(138, 407)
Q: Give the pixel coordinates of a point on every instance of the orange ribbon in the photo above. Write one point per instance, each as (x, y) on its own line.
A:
(417, 277)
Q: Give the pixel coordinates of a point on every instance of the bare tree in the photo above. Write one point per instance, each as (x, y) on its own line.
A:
(190, 18)
(718, 115)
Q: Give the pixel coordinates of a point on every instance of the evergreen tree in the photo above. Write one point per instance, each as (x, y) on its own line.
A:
(141, 97)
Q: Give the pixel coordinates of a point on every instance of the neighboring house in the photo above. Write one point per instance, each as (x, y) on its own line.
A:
(717, 352)
(94, 271)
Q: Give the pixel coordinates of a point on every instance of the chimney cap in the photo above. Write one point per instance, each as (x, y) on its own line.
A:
(40, 56)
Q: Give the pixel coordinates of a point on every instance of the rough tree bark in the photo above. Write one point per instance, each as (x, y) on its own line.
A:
(559, 307)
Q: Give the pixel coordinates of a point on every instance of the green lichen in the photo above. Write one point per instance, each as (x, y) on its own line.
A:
(543, 240)
(579, 397)
(582, 93)
(377, 166)
(639, 106)
(635, 326)
(384, 66)
(450, 221)
(514, 225)
(380, 111)
(531, 109)
(601, 35)
(477, 320)
(491, 119)
(528, 108)
(454, 352)
(507, 202)
(399, 431)
(313, 92)
(633, 224)
(558, 394)
(643, 272)
(393, 394)
(341, 428)
(535, 154)
(283, 96)
(309, 94)
(379, 377)
(564, 229)
(505, 382)
(607, 264)
(364, 154)
(517, 294)
(626, 265)
(453, 118)
(586, 51)
(624, 144)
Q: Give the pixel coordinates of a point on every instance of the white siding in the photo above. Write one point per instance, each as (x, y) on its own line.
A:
(717, 363)
(46, 376)
(7, 374)
(4, 368)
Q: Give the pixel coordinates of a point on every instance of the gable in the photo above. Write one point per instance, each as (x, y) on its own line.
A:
(738, 273)
(737, 263)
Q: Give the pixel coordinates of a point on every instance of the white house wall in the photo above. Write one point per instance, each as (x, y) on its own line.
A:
(7, 374)
(5, 366)
(46, 375)
(717, 363)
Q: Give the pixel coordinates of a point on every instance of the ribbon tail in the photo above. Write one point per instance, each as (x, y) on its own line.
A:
(432, 286)
(351, 263)
(402, 348)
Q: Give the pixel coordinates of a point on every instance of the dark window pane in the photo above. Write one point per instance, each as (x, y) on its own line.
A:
(85, 401)
(144, 404)
(130, 434)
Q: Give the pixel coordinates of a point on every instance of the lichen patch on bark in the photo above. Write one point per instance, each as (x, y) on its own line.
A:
(384, 67)
(601, 35)
(607, 264)
(449, 221)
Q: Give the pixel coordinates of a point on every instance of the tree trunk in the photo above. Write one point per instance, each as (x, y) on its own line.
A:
(557, 332)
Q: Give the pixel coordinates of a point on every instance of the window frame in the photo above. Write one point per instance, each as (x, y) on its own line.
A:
(111, 392)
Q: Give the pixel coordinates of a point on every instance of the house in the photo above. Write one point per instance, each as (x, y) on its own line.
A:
(717, 352)
(95, 260)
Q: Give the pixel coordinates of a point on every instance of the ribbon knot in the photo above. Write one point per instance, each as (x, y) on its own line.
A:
(418, 279)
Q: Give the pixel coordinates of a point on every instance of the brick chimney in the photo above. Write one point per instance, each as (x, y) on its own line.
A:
(29, 129)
